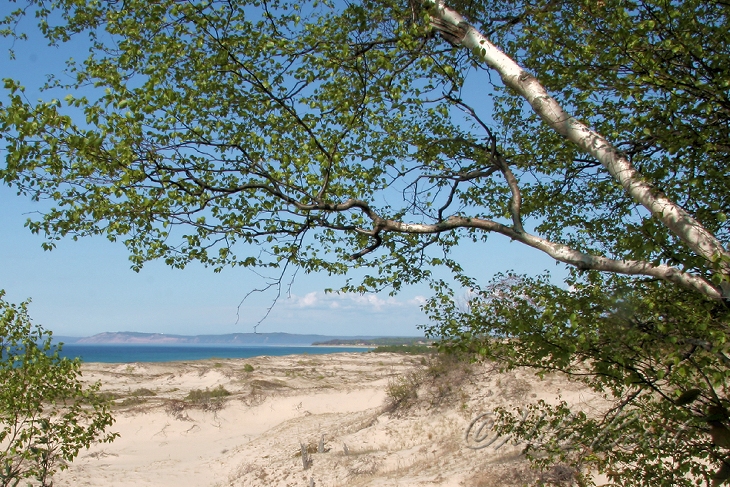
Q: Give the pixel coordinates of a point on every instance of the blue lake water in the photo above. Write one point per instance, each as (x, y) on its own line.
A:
(172, 353)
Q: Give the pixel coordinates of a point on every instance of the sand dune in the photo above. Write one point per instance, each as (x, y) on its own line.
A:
(253, 437)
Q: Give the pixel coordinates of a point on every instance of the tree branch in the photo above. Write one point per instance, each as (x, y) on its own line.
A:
(557, 251)
(675, 218)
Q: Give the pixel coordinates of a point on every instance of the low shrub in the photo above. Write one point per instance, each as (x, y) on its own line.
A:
(133, 401)
(201, 396)
(143, 392)
(208, 399)
(437, 380)
(402, 391)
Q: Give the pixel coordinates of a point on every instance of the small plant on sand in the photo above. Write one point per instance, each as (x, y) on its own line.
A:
(402, 391)
(248, 368)
(199, 395)
(255, 397)
(46, 414)
(438, 380)
(208, 399)
(143, 392)
(137, 397)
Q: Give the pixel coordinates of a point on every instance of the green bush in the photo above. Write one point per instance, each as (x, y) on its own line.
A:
(248, 368)
(46, 414)
(208, 399)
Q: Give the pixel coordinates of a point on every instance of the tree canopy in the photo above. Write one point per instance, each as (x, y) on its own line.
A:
(332, 135)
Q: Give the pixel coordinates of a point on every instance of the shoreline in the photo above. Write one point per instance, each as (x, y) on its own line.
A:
(126, 353)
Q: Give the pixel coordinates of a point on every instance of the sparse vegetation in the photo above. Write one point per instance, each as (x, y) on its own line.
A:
(407, 349)
(137, 397)
(177, 409)
(402, 390)
(206, 400)
(424, 438)
(254, 398)
(248, 368)
(108, 396)
(438, 378)
(519, 475)
(132, 401)
(143, 392)
(199, 396)
(267, 384)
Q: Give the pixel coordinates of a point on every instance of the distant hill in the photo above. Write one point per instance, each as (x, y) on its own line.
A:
(376, 341)
(64, 339)
(260, 339)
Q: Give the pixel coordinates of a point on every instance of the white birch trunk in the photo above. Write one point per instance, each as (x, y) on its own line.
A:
(675, 218)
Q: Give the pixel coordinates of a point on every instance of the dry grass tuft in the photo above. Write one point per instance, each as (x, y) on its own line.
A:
(437, 381)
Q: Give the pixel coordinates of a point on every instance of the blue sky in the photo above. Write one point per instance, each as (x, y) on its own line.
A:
(87, 287)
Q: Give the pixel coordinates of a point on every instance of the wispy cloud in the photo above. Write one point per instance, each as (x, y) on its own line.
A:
(369, 302)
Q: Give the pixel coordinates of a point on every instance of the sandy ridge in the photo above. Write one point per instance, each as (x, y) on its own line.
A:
(254, 438)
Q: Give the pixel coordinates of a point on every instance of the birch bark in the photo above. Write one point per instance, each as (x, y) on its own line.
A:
(675, 218)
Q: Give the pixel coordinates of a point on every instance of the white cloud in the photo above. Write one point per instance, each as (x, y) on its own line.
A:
(371, 301)
(354, 302)
(308, 301)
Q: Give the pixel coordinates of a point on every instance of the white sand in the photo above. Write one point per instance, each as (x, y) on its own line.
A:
(254, 439)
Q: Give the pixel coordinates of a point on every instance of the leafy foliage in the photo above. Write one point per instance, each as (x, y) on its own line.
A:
(337, 135)
(658, 352)
(288, 146)
(651, 77)
(46, 415)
